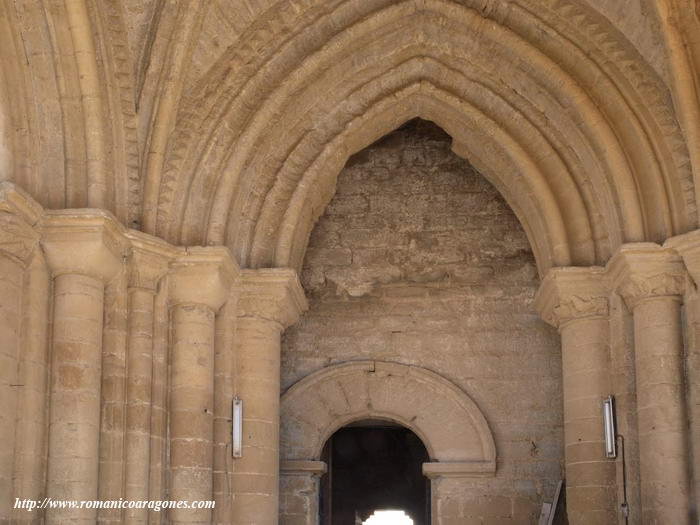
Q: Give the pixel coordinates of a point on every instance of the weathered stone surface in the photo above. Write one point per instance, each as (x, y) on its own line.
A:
(222, 125)
(447, 286)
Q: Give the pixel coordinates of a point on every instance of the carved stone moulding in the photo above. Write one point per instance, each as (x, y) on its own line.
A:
(570, 293)
(19, 215)
(642, 271)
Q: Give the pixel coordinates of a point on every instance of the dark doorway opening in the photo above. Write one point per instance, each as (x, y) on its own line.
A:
(374, 465)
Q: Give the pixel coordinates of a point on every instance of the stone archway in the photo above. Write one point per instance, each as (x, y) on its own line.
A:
(453, 429)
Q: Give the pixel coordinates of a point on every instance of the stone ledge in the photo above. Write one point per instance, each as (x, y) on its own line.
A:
(301, 467)
(461, 469)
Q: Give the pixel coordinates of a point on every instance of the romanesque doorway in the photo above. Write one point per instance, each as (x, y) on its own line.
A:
(374, 476)
(457, 449)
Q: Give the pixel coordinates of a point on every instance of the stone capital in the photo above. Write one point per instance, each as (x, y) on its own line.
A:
(644, 270)
(19, 214)
(571, 293)
(688, 247)
(202, 275)
(149, 260)
(274, 294)
(86, 242)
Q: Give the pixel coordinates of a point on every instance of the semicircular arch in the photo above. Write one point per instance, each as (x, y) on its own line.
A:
(447, 420)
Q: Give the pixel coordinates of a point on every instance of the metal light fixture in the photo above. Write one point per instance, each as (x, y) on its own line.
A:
(237, 427)
(609, 427)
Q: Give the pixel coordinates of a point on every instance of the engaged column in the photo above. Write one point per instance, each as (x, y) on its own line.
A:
(270, 300)
(575, 300)
(651, 280)
(84, 250)
(200, 283)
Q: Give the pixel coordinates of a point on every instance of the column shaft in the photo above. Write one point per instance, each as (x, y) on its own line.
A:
(199, 284)
(159, 400)
(590, 477)
(256, 474)
(74, 422)
(664, 462)
(688, 247)
(10, 314)
(192, 409)
(113, 399)
(652, 280)
(138, 410)
(576, 300)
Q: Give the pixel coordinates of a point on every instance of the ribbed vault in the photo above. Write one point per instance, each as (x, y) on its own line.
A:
(552, 106)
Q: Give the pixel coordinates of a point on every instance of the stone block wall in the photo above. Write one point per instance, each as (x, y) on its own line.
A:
(420, 261)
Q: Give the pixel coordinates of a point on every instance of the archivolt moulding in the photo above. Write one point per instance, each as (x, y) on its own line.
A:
(451, 426)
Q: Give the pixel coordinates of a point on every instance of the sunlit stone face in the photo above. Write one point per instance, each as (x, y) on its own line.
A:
(389, 517)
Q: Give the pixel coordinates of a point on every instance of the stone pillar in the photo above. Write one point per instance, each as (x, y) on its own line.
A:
(299, 491)
(84, 250)
(688, 246)
(270, 300)
(575, 300)
(200, 282)
(17, 245)
(651, 280)
(149, 260)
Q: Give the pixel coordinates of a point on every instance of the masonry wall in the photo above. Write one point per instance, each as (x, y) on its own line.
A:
(419, 260)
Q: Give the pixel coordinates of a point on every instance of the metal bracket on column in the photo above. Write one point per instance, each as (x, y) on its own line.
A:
(237, 428)
(609, 427)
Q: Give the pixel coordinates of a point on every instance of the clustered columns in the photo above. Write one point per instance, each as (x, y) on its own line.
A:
(269, 301)
(200, 283)
(84, 251)
(56, 269)
(652, 279)
(575, 300)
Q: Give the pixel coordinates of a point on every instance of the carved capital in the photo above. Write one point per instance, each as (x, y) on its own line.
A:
(688, 247)
(641, 271)
(86, 242)
(19, 214)
(17, 239)
(571, 293)
(202, 275)
(149, 260)
(274, 294)
(16, 201)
